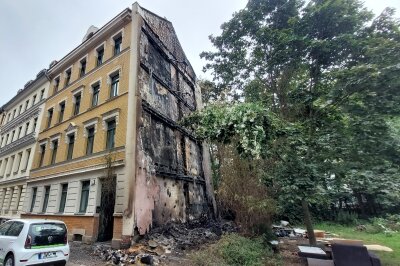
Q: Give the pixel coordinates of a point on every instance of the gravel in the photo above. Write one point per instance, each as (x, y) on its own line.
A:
(82, 254)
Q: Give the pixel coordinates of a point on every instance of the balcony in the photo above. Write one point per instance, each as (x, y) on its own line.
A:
(18, 144)
(31, 112)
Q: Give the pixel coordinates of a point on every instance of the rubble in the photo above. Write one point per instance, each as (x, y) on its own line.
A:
(168, 240)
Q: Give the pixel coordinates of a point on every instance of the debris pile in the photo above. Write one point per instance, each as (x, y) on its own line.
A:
(171, 238)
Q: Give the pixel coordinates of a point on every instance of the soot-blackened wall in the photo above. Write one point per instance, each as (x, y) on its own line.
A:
(170, 183)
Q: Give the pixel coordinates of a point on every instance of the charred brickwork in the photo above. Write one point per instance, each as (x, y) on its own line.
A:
(170, 183)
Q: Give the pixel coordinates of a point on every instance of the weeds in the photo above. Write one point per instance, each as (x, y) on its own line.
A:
(233, 249)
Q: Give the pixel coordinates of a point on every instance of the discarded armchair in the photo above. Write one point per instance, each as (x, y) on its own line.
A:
(348, 255)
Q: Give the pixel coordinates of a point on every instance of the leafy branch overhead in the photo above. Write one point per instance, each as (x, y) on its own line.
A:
(250, 125)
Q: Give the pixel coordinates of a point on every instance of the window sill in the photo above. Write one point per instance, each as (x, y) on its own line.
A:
(111, 98)
(80, 213)
(23, 171)
(92, 107)
(15, 173)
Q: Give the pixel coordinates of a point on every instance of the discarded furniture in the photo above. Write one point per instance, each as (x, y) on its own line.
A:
(353, 255)
(378, 248)
(312, 252)
(347, 255)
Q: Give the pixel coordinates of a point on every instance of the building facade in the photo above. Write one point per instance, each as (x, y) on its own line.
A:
(19, 127)
(111, 158)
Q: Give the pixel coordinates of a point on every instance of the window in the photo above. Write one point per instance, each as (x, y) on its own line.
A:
(18, 164)
(34, 124)
(1, 143)
(46, 198)
(71, 141)
(28, 154)
(56, 84)
(8, 135)
(20, 109)
(67, 77)
(90, 141)
(49, 117)
(77, 105)
(110, 134)
(61, 114)
(15, 228)
(114, 85)
(100, 55)
(9, 117)
(63, 199)
(83, 68)
(12, 158)
(12, 136)
(41, 94)
(42, 151)
(95, 97)
(34, 192)
(117, 45)
(34, 100)
(14, 112)
(26, 128)
(19, 196)
(26, 105)
(54, 153)
(84, 196)
(19, 132)
(3, 170)
(5, 227)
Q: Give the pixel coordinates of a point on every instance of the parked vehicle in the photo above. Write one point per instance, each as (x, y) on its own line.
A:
(33, 242)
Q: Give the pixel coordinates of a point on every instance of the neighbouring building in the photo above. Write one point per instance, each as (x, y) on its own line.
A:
(111, 159)
(19, 127)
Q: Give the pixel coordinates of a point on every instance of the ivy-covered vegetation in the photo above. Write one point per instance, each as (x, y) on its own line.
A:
(307, 93)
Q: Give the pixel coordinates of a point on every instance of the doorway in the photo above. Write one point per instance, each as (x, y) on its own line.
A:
(106, 210)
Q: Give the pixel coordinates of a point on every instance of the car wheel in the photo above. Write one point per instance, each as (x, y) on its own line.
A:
(9, 260)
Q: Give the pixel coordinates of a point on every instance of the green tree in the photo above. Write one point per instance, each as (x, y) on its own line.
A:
(312, 75)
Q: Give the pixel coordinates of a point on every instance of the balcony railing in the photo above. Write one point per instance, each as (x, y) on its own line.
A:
(19, 143)
(31, 112)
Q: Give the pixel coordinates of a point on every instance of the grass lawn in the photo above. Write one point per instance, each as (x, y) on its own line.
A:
(387, 258)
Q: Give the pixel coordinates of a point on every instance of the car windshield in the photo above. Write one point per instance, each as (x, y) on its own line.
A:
(45, 234)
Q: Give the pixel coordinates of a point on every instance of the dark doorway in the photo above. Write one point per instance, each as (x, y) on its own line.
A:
(106, 210)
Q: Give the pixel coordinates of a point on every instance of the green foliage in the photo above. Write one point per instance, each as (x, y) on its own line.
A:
(234, 249)
(249, 125)
(388, 226)
(241, 194)
(346, 217)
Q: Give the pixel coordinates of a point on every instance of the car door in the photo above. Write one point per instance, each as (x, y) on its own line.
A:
(4, 241)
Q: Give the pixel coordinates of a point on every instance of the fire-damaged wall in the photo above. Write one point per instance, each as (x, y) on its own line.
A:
(170, 183)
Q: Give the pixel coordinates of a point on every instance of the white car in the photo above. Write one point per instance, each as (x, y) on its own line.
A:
(33, 242)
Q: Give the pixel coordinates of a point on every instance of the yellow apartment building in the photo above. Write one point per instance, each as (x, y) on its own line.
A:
(111, 159)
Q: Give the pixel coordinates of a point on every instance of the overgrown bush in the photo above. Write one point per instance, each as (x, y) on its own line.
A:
(233, 249)
(346, 217)
(389, 225)
(241, 191)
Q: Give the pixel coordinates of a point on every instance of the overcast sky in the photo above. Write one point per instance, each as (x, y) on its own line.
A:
(35, 32)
